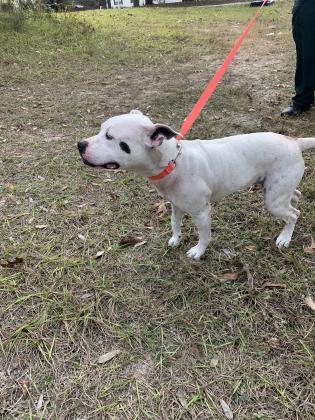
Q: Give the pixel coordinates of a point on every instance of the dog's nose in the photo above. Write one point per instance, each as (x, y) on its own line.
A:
(82, 145)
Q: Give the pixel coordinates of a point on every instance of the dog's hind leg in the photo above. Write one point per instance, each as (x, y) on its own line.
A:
(280, 207)
(281, 197)
(290, 219)
(203, 223)
(295, 197)
(176, 222)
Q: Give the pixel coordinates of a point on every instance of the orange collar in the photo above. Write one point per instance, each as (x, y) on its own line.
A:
(170, 167)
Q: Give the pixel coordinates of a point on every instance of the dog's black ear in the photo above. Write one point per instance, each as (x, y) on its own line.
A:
(160, 133)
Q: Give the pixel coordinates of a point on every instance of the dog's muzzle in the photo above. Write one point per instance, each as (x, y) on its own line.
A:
(82, 145)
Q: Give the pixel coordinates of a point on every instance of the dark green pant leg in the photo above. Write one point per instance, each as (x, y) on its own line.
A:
(303, 26)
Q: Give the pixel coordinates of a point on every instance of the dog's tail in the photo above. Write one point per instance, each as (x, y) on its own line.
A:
(307, 143)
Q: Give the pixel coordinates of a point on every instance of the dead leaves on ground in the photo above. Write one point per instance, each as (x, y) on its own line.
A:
(99, 254)
(41, 227)
(104, 358)
(226, 410)
(160, 208)
(310, 302)
(135, 240)
(250, 278)
(235, 275)
(12, 262)
(40, 402)
(310, 249)
(232, 276)
(274, 342)
(251, 248)
(269, 284)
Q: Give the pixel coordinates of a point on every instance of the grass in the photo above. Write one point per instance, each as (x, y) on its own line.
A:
(188, 337)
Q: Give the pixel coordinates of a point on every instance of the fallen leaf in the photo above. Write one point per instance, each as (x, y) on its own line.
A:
(229, 276)
(195, 352)
(182, 399)
(160, 208)
(40, 227)
(251, 247)
(270, 284)
(308, 172)
(108, 356)
(40, 402)
(274, 342)
(226, 410)
(17, 363)
(24, 385)
(214, 362)
(250, 278)
(310, 249)
(140, 244)
(12, 262)
(310, 302)
(128, 240)
(228, 252)
(99, 254)
(113, 196)
(9, 187)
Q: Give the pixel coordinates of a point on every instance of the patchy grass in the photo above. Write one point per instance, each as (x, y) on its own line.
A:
(188, 337)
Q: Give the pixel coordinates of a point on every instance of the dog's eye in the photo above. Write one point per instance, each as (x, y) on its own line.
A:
(108, 136)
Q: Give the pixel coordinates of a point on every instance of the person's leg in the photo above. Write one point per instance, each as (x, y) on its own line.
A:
(304, 37)
(303, 30)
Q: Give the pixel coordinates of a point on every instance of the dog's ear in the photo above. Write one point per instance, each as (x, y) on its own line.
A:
(135, 111)
(159, 133)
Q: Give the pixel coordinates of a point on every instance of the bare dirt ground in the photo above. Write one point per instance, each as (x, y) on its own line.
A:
(189, 335)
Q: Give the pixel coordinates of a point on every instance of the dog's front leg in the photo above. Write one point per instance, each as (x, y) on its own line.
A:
(203, 223)
(176, 221)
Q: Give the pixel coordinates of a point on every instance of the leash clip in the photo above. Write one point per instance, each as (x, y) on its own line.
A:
(179, 148)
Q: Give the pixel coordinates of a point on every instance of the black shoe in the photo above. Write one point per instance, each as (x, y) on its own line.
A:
(293, 111)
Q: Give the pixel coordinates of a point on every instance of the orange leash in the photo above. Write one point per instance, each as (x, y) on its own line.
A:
(207, 93)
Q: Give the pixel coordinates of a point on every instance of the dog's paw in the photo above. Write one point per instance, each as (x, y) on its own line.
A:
(283, 241)
(195, 252)
(174, 241)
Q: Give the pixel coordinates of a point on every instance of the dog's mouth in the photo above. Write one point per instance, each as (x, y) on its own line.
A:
(112, 166)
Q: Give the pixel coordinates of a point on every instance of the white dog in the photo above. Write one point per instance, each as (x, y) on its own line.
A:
(193, 174)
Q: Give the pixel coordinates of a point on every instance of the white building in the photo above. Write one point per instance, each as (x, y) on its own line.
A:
(166, 1)
(116, 4)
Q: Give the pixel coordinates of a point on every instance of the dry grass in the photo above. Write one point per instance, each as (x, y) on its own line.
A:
(188, 337)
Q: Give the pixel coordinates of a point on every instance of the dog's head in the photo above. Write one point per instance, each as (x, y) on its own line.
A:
(126, 141)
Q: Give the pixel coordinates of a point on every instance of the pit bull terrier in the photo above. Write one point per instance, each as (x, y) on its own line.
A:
(194, 174)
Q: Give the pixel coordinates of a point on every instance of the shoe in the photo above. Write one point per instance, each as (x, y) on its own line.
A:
(293, 111)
